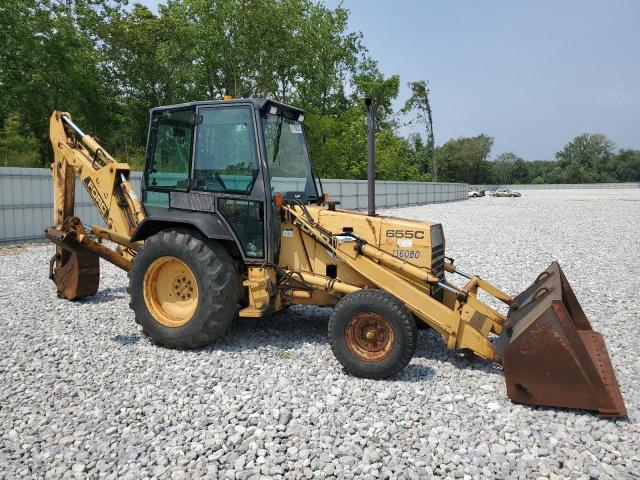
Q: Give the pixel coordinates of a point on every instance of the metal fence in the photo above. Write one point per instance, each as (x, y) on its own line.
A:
(560, 186)
(26, 199)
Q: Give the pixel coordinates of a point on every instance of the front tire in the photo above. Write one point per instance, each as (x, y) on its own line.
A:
(372, 334)
(183, 290)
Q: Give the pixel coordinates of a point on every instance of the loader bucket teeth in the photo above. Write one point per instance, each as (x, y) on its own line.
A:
(550, 354)
(78, 276)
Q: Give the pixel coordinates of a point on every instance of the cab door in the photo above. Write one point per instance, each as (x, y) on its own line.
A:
(226, 165)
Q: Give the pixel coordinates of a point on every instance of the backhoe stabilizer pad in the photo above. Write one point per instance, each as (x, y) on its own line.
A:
(78, 275)
(550, 354)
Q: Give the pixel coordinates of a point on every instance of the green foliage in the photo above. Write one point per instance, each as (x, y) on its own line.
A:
(626, 168)
(18, 148)
(588, 158)
(107, 64)
(587, 150)
(419, 102)
(396, 159)
(465, 159)
(508, 168)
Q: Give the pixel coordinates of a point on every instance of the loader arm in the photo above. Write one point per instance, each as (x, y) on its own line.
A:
(550, 354)
(75, 268)
(463, 321)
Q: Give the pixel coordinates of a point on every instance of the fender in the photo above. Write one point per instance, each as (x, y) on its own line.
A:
(209, 224)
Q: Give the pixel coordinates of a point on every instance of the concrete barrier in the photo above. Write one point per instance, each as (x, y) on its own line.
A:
(560, 186)
(26, 199)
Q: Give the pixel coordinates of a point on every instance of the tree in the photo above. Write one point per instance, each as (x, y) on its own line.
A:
(53, 64)
(509, 168)
(369, 82)
(465, 159)
(108, 64)
(17, 145)
(585, 158)
(329, 60)
(419, 101)
(627, 166)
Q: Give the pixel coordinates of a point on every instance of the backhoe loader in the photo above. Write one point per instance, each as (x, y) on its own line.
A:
(233, 222)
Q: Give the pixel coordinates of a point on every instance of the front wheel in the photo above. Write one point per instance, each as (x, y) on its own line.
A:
(372, 334)
(183, 290)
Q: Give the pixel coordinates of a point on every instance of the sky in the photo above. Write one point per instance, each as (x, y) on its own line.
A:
(532, 74)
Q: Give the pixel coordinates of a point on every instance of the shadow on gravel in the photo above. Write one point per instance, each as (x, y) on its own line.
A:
(126, 340)
(414, 372)
(432, 347)
(287, 330)
(295, 327)
(106, 295)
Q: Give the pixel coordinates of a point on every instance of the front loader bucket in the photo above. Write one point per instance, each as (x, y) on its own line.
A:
(550, 354)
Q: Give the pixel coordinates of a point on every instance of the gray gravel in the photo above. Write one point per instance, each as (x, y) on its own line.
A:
(82, 393)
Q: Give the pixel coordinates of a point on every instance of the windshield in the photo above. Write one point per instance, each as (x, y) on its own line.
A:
(289, 165)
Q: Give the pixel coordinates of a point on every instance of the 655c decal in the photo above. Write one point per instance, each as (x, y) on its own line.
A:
(417, 234)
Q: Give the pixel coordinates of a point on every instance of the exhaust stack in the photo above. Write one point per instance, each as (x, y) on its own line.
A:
(371, 164)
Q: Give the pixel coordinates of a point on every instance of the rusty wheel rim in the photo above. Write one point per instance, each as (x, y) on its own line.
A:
(369, 336)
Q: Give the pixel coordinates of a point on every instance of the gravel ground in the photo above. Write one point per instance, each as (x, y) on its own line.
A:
(82, 393)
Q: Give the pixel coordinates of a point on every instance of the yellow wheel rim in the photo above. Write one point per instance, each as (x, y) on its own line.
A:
(170, 291)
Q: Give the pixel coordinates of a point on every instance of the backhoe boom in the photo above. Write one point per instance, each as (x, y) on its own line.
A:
(75, 268)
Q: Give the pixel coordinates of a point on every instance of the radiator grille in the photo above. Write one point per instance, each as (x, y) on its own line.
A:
(437, 258)
(199, 202)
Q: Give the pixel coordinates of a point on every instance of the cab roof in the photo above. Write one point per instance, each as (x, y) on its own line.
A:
(262, 104)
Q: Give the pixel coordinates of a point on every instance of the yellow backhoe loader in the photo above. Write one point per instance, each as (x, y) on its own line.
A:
(233, 221)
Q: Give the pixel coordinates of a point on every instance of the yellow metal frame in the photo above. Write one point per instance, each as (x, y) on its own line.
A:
(170, 291)
(316, 238)
(106, 181)
(461, 318)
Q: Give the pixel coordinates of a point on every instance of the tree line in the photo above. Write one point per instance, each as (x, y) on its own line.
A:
(588, 158)
(108, 63)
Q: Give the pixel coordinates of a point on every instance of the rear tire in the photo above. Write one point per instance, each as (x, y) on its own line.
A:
(372, 334)
(183, 290)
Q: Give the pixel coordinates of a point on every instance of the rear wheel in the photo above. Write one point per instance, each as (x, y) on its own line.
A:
(183, 290)
(372, 334)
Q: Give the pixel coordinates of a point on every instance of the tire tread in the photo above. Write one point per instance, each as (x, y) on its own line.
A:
(217, 280)
(373, 299)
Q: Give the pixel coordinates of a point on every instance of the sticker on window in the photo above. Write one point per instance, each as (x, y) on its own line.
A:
(287, 232)
(295, 128)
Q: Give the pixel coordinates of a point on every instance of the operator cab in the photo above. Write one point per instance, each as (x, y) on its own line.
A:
(227, 158)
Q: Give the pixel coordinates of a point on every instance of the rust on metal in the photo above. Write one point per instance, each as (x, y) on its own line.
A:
(75, 268)
(76, 272)
(78, 276)
(551, 355)
(369, 336)
(72, 236)
(104, 252)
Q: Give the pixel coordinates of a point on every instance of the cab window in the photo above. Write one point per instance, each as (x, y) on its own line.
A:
(226, 159)
(171, 138)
